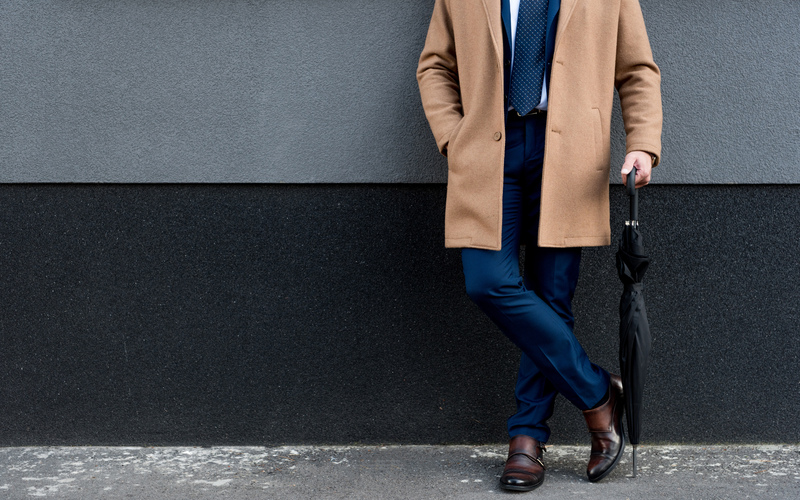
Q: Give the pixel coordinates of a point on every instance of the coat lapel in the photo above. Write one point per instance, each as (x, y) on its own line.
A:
(494, 17)
(566, 9)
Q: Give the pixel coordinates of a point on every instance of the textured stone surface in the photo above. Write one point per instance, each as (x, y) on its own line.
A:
(331, 314)
(395, 472)
(312, 91)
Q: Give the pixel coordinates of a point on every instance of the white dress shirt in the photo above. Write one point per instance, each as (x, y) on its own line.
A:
(514, 16)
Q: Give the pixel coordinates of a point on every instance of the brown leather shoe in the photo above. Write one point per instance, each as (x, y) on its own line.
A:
(605, 425)
(524, 469)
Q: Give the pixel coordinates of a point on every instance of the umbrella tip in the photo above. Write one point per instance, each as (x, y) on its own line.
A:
(634, 460)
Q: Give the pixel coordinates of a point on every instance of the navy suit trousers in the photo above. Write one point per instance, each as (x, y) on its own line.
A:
(535, 310)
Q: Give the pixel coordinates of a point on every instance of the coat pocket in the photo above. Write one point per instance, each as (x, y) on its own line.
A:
(453, 135)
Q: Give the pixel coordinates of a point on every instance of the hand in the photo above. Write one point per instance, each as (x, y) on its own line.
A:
(643, 163)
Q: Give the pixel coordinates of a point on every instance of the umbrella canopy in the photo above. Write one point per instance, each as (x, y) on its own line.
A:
(634, 331)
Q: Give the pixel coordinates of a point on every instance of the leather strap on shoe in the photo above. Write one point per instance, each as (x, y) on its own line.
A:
(599, 419)
(531, 458)
(524, 470)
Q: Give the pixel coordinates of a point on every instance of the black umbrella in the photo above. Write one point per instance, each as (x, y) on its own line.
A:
(634, 331)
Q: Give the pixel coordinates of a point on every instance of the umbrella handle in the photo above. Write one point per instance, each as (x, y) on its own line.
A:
(634, 195)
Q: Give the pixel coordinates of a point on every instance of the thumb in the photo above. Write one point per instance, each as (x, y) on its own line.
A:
(630, 160)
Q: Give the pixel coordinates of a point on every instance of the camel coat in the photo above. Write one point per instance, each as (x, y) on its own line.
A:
(600, 45)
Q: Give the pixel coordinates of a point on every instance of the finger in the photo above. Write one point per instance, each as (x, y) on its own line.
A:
(643, 174)
(645, 178)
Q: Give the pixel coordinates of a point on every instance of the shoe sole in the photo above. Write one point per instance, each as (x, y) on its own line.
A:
(619, 455)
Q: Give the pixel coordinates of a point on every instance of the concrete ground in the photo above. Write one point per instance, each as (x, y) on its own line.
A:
(370, 472)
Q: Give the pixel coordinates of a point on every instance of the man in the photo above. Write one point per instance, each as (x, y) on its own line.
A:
(518, 94)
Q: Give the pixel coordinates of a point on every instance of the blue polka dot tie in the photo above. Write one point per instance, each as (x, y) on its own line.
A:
(528, 73)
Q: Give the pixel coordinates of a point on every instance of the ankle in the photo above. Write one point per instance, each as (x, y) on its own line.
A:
(603, 400)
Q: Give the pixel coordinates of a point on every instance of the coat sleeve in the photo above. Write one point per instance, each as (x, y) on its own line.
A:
(638, 82)
(437, 76)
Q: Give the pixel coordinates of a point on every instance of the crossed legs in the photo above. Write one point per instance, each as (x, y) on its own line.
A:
(533, 311)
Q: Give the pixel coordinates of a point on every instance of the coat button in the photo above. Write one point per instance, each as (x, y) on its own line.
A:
(498, 136)
(508, 63)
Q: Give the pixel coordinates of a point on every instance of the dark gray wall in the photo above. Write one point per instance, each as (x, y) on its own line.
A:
(320, 91)
(332, 314)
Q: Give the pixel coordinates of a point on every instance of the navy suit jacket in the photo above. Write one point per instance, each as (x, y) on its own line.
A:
(550, 42)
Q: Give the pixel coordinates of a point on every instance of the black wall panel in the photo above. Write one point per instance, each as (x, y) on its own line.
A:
(268, 314)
